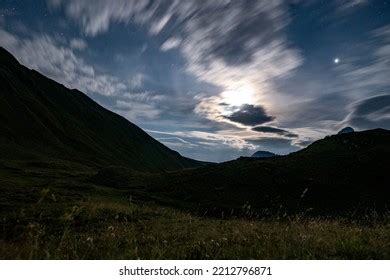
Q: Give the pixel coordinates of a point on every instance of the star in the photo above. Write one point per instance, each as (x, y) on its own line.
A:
(336, 60)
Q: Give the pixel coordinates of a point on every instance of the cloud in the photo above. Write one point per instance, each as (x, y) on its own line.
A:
(7, 40)
(137, 81)
(158, 26)
(326, 99)
(252, 60)
(363, 73)
(78, 44)
(218, 147)
(320, 112)
(372, 112)
(132, 111)
(275, 141)
(145, 96)
(239, 47)
(304, 142)
(363, 76)
(229, 44)
(370, 74)
(176, 142)
(347, 5)
(223, 137)
(57, 61)
(250, 115)
(236, 46)
(96, 16)
(274, 144)
(170, 44)
(136, 105)
(274, 130)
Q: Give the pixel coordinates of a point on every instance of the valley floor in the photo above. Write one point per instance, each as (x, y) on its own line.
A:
(114, 230)
(61, 219)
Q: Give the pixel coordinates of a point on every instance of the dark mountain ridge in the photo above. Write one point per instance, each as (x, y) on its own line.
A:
(42, 119)
(346, 173)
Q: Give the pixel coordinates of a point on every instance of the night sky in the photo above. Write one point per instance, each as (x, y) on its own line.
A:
(215, 79)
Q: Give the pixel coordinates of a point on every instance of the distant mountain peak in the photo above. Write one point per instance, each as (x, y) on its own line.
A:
(263, 154)
(345, 130)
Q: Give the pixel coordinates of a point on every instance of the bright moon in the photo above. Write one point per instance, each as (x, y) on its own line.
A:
(336, 60)
(238, 97)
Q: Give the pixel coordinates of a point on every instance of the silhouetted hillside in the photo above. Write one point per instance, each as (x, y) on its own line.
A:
(42, 119)
(339, 174)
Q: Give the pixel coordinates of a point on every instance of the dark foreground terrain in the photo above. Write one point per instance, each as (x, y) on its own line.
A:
(80, 182)
(53, 213)
(51, 210)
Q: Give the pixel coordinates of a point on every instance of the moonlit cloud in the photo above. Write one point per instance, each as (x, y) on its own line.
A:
(216, 79)
(78, 44)
(372, 74)
(7, 40)
(275, 144)
(250, 115)
(170, 44)
(59, 62)
(137, 81)
(96, 16)
(274, 130)
(222, 145)
(350, 4)
(245, 48)
(134, 110)
(372, 112)
(176, 141)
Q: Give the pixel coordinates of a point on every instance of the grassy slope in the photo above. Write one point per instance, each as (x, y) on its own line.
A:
(51, 210)
(40, 118)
